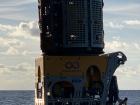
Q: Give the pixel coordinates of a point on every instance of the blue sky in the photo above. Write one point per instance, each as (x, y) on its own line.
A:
(19, 37)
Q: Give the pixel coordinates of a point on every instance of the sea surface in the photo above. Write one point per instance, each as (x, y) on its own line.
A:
(27, 97)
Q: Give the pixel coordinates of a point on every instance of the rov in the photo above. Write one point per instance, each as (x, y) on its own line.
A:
(73, 69)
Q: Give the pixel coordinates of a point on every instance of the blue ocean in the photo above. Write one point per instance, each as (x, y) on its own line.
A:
(27, 97)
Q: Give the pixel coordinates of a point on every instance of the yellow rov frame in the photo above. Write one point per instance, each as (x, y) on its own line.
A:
(74, 72)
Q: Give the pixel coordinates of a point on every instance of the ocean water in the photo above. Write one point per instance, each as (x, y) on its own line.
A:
(27, 97)
(16, 97)
(132, 95)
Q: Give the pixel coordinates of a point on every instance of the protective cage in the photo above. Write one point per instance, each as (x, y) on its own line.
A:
(71, 26)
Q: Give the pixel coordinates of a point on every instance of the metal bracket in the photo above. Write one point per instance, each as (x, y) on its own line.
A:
(115, 60)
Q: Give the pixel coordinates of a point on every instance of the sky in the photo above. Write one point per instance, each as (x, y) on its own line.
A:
(20, 45)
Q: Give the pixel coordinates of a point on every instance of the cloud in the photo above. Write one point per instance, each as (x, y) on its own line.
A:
(2, 66)
(12, 51)
(26, 30)
(123, 24)
(132, 22)
(126, 8)
(10, 46)
(131, 49)
(4, 70)
(130, 8)
(26, 52)
(8, 42)
(6, 27)
(22, 68)
(16, 2)
(31, 28)
(128, 71)
(128, 77)
(116, 45)
(15, 11)
(137, 46)
(115, 25)
(21, 39)
(20, 76)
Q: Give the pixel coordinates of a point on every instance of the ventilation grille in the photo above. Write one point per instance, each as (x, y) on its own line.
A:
(76, 30)
(97, 21)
